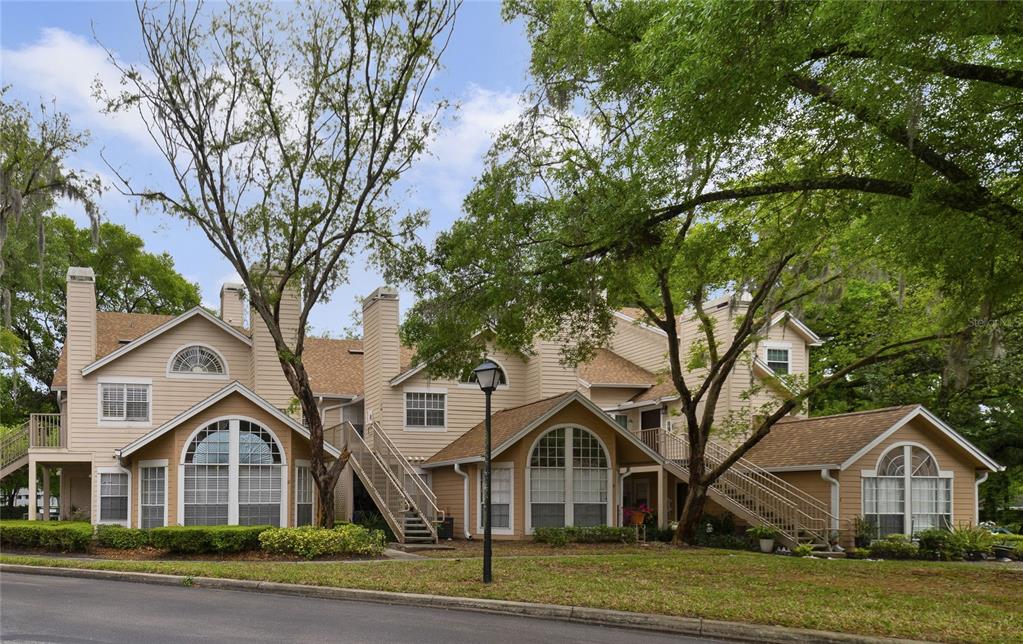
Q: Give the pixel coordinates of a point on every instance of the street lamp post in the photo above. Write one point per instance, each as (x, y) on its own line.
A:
(488, 375)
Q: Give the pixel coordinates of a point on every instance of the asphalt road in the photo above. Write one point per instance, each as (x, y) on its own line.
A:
(36, 608)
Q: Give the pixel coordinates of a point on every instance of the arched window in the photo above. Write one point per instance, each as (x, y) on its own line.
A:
(197, 359)
(907, 492)
(569, 479)
(468, 377)
(211, 458)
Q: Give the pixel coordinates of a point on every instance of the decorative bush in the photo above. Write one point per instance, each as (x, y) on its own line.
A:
(59, 536)
(115, 536)
(201, 539)
(857, 553)
(311, 542)
(894, 546)
(762, 532)
(803, 550)
(938, 544)
(590, 534)
(975, 542)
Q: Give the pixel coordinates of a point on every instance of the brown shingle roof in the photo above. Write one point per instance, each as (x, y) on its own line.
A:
(825, 440)
(658, 391)
(504, 425)
(608, 368)
(332, 367)
(111, 329)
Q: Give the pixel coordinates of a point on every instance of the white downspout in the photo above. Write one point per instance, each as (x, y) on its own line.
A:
(976, 497)
(834, 497)
(465, 501)
(622, 473)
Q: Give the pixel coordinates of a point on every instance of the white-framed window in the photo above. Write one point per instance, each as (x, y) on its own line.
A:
(303, 493)
(197, 360)
(233, 473)
(779, 359)
(502, 495)
(152, 494)
(127, 402)
(425, 410)
(568, 479)
(114, 484)
(622, 420)
(907, 492)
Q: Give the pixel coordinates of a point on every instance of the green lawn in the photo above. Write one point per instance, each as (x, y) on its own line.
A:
(948, 602)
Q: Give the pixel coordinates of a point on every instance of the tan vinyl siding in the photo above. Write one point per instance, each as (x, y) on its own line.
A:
(949, 457)
(641, 345)
(811, 483)
(605, 397)
(267, 377)
(169, 395)
(448, 485)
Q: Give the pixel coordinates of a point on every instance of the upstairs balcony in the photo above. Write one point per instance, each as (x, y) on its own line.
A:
(42, 431)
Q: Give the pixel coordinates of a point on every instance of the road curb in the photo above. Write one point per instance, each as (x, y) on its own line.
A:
(659, 623)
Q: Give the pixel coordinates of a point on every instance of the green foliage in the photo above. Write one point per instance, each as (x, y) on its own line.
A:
(939, 545)
(803, 550)
(311, 542)
(894, 546)
(374, 521)
(54, 536)
(589, 534)
(206, 539)
(762, 532)
(973, 541)
(116, 536)
(857, 553)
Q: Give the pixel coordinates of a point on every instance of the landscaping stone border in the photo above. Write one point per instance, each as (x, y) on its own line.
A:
(657, 623)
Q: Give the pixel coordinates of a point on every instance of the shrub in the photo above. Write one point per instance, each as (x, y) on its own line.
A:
(589, 534)
(59, 536)
(311, 542)
(200, 539)
(762, 532)
(894, 546)
(803, 550)
(857, 553)
(975, 542)
(115, 536)
(863, 531)
(939, 545)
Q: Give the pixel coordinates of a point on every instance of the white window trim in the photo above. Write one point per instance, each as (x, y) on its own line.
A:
(569, 492)
(479, 498)
(111, 469)
(125, 380)
(234, 424)
(778, 344)
(404, 409)
(907, 500)
(303, 463)
(165, 464)
(198, 376)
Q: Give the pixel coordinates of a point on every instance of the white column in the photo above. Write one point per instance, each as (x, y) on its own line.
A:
(31, 489)
(65, 494)
(232, 470)
(46, 492)
(662, 498)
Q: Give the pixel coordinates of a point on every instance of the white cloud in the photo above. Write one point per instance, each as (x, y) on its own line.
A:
(459, 146)
(63, 66)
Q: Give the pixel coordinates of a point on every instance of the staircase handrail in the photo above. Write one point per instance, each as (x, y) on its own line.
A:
(14, 445)
(357, 446)
(45, 430)
(429, 498)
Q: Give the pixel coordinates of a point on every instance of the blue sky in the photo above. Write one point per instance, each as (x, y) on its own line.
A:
(49, 53)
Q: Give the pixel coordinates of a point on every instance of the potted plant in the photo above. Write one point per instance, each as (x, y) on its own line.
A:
(863, 531)
(766, 535)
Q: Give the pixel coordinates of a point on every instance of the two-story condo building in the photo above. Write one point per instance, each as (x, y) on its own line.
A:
(182, 420)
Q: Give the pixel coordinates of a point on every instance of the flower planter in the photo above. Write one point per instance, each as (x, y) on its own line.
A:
(767, 545)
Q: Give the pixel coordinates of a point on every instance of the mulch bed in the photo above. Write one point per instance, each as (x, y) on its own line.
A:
(154, 554)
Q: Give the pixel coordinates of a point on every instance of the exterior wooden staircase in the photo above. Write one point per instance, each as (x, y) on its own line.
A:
(407, 504)
(749, 491)
(40, 430)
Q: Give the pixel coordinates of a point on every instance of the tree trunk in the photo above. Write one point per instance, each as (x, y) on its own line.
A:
(326, 494)
(696, 499)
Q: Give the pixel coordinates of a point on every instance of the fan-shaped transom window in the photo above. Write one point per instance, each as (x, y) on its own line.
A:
(210, 483)
(469, 377)
(197, 359)
(569, 479)
(907, 492)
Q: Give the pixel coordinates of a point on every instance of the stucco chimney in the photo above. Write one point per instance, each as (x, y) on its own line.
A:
(232, 303)
(381, 351)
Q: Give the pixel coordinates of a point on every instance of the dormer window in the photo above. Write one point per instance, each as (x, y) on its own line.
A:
(467, 377)
(197, 360)
(778, 360)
